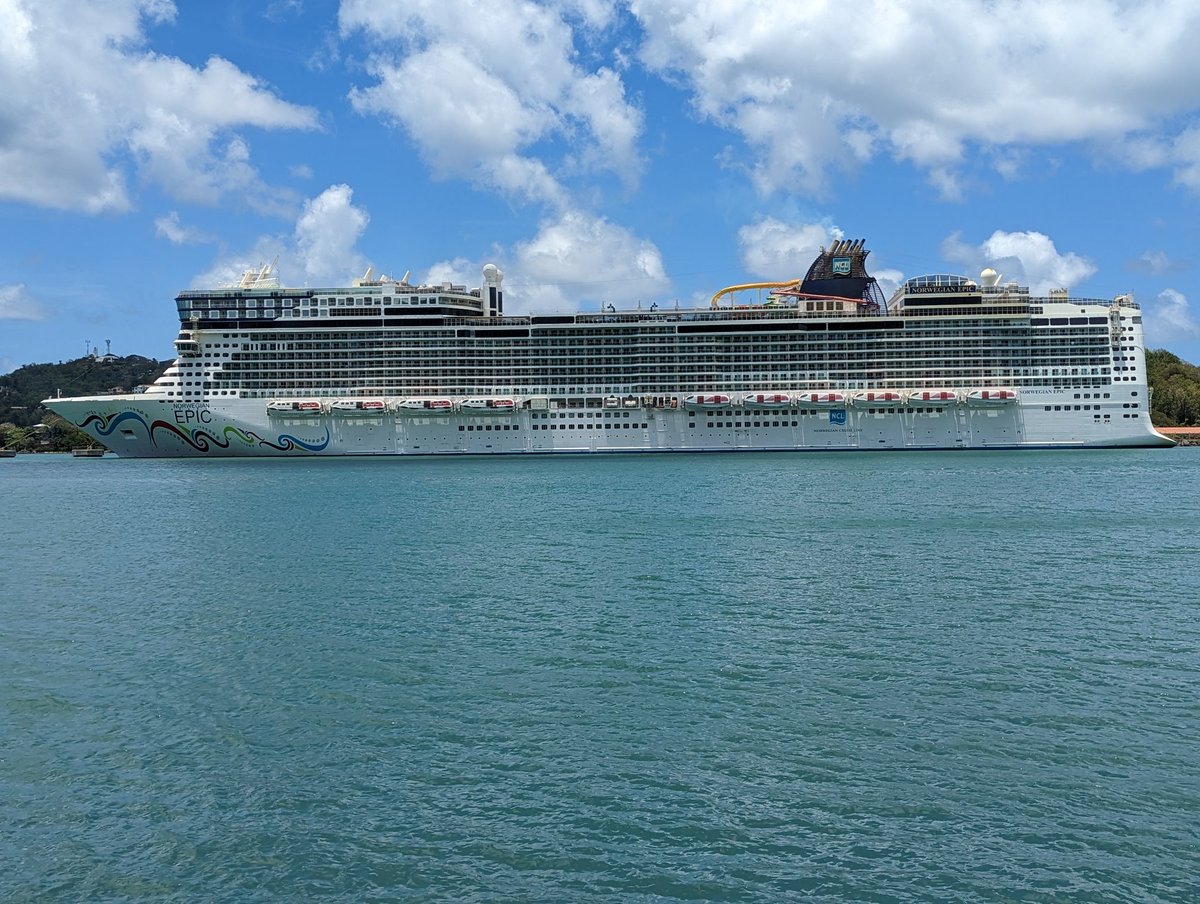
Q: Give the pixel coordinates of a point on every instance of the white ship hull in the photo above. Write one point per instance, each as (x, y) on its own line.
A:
(136, 426)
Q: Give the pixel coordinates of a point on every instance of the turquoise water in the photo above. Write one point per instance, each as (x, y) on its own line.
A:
(858, 677)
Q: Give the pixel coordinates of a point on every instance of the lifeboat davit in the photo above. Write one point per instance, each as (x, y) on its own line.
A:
(878, 398)
(295, 408)
(991, 398)
(832, 399)
(365, 407)
(425, 406)
(703, 402)
(490, 406)
(933, 397)
(767, 401)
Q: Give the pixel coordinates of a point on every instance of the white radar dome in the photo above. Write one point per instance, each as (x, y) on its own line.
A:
(989, 277)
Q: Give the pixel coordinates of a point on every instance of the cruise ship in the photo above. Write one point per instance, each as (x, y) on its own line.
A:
(824, 362)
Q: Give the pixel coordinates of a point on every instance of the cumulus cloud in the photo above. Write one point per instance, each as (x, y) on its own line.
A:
(458, 271)
(1169, 318)
(578, 259)
(17, 304)
(1149, 150)
(488, 98)
(86, 103)
(321, 250)
(326, 234)
(813, 87)
(575, 261)
(228, 269)
(772, 249)
(1028, 258)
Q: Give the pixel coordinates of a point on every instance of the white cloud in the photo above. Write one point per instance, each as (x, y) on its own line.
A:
(281, 10)
(85, 103)
(772, 249)
(491, 98)
(1028, 258)
(595, 14)
(1180, 153)
(326, 234)
(1156, 263)
(17, 304)
(459, 271)
(577, 260)
(321, 250)
(574, 261)
(889, 280)
(1185, 155)
(170, 228)
(947, 183)
(228, 269)
(1169, 319)
(813, 87)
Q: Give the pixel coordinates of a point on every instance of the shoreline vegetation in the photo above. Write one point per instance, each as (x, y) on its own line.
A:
(28, 427)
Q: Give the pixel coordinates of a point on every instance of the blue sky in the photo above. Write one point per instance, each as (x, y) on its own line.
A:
(596, 151)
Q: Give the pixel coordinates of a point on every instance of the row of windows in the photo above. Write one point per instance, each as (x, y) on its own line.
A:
(717, 344)
(597, 425)
(303, 385)
(255, 302)
(608, 338)
(570, 414)
(1089, 408)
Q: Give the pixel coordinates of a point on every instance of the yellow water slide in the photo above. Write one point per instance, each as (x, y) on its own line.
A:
(729, 290)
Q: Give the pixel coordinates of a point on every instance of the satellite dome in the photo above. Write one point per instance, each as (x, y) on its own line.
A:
(989, 277)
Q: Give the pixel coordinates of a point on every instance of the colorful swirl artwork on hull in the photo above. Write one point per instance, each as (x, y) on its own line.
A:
(198, 438)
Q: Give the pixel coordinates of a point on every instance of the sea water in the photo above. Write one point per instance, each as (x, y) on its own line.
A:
(854, 677)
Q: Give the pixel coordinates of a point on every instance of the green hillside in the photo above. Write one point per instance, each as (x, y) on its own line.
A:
(1175, 387)
(22, 392)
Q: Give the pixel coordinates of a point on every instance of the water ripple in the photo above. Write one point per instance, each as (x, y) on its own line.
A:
(910, 678)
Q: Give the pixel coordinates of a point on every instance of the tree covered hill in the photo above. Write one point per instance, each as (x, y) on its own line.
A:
(22, 391)
(1175, 390)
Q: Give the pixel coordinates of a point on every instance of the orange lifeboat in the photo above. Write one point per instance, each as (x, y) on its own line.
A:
(704, 402)
(991, 398)
(829, 399)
